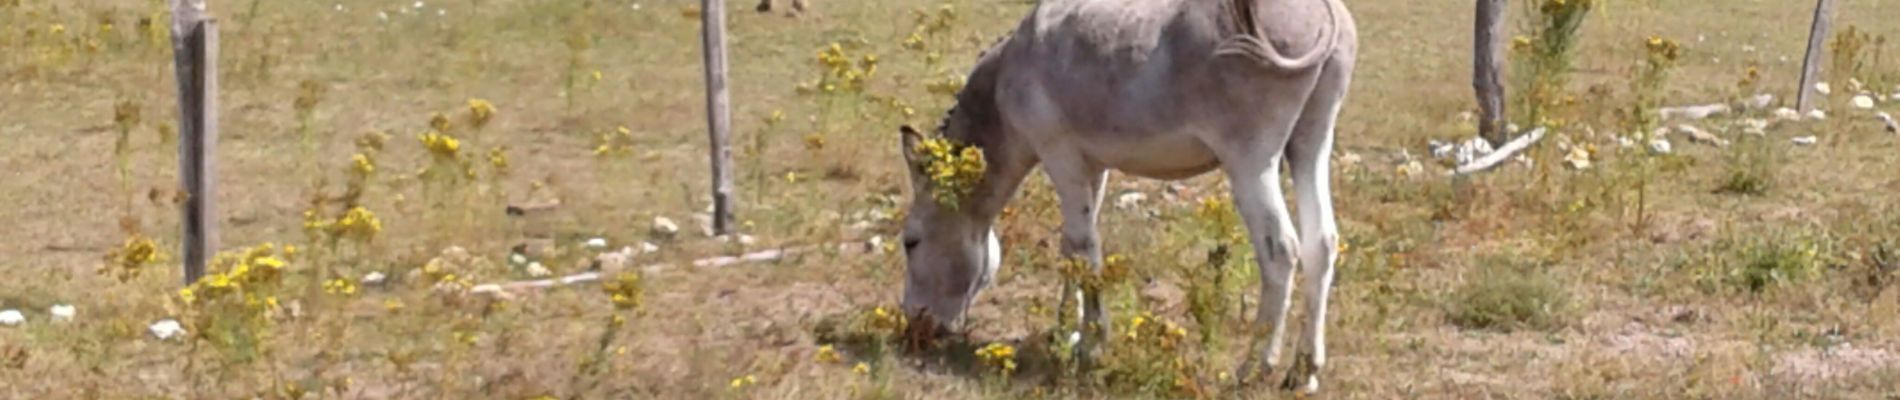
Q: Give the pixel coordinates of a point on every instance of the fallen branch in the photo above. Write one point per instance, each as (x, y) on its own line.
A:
(524, 209)
(506, 289)
(1503, 153)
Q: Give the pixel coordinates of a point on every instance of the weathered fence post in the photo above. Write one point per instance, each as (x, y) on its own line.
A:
(718, 114)
(1484, 74)
(195, 53)
(1811, 67)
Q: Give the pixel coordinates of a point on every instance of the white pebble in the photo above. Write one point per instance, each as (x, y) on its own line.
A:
(418, 4)
(1130, 200)
(1660, 146)
(1787, 114)
(648, 247)
(374, 278)
(1806, 140)
(597, 243)
(166, 329)
(1863, 102)
(1817, 115)
(1823, 88)
(12, 318)
(535, 269)
(63, 312)
(665, 227)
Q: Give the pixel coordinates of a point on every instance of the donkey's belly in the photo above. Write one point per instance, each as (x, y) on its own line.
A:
(1177, 156)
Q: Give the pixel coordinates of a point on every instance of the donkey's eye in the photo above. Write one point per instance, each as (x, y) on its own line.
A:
(911, 244)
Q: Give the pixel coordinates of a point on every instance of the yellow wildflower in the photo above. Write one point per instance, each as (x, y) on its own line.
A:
(861, 368)
(827, 354)
(479, 112)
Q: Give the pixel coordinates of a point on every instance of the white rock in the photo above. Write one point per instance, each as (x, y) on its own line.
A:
(517, 259)
(1348, 159)
(1892, 126)
(743, 239)
(1863, 102)
(1472, 149)
(1660, 146)
(1693, 112)
(648, 247)
(597, 243)
(166, 329)
(665, 227)
(1440, 149)
(1130, 200)
(1787, 114)
(63, 312)
(1817, 115)
(1700, 136)
(1412, 169)
(1753, 126)
(1854, 85)
(1823, 88)
(418, 5)
(535, 269)
(1579, 158)
(12, 318)
(1806, 140)
(374, 278)
(1760, 101)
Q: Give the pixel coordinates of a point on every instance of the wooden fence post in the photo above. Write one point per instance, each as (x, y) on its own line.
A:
(1811, 67)
(1484, 74)
(718, 113)
(195, 53)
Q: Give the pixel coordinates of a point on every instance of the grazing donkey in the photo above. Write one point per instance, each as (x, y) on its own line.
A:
(1164, 89)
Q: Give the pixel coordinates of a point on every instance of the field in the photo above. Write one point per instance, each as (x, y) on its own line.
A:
(373, 137)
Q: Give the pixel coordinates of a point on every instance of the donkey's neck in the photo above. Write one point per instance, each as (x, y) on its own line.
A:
(977, 120)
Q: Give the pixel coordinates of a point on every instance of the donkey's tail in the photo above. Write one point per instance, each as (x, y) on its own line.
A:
(1250, 43)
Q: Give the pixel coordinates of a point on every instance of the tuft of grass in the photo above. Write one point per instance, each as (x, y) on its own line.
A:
(1767, 263)
(1751, 169)
(1509, 298)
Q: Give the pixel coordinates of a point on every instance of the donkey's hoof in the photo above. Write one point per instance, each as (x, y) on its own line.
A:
(1303, 377)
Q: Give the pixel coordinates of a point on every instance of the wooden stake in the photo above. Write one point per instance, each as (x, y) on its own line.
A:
(1811, 67)
(195, 53)
(718, 113)
(1485, 66)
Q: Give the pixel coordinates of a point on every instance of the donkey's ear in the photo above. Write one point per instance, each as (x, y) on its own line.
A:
(909, 142)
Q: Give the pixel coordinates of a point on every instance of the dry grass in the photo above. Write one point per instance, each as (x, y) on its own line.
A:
(1712, 295)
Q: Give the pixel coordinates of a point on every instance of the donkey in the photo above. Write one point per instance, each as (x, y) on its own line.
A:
(1162, 89)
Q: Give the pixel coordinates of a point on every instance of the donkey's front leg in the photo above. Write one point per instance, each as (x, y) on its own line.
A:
(1262, 206)
(1079, 185)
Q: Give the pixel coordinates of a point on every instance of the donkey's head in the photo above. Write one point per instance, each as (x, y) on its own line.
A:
(950, 250)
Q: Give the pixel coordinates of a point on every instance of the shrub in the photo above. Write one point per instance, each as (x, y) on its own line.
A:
(1508, 298)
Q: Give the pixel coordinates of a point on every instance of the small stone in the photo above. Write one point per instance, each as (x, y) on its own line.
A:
(166, 329)
(535, 269)
(1757, 127)
(1412, 169)
(1130, 200)
(1823, 88)
(12, 318)
(1759, 102)
(1660, 146)
(876, 243)
(648, 247)
(63, 312)
(1806, 140)
(1700, 136)
(1787, 114)
(1863, 102)
(665, 227)
(1817, 115)
(743, 239)
(597, 243)
(374, 278)
(1579, 158)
